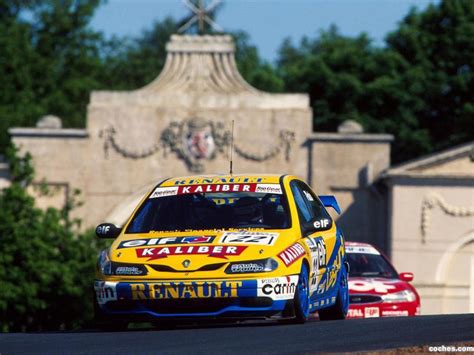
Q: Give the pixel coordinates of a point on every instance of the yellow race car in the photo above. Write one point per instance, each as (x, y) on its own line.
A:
(235, 246)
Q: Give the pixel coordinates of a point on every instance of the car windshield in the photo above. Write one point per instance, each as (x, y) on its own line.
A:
(370, 265)
(169, 209)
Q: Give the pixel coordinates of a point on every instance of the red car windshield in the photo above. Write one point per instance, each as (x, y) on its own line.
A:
(210, 210)
(370, 265)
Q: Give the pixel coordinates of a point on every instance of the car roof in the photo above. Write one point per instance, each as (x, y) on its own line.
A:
(358, 244)
(222, 179)
(364, 248)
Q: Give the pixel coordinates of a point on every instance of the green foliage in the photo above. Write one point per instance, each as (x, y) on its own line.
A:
(49, 61)
(348, 78)
(438, 51)
(419, 88)
(131, 64)
(255, 71)
(46, 268)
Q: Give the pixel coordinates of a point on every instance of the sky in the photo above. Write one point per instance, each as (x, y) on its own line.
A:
(268, 22)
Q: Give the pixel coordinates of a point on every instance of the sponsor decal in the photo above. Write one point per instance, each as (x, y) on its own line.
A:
(128, 270)
(279, 288)
(362, 250)
(318, 252)
(371, 312)
(164, 191)
(318, 257)
(103, 229)
(105, 291)
(261, 238)
(329, 278)
(365, 286)
(212, 180)
(213, 188)
(355, 313)
(194, 189)
(322, 223)
(399, 313)
(176, 290)
(216, 251)
(291, 254)
(166, 240)
(269, 188)
(308, 195)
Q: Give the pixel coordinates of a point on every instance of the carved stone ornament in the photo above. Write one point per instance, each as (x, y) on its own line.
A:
(195, 141)
(433, 199)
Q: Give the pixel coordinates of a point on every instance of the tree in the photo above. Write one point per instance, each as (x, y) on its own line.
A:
(49, 61)
(46, 268)
(437, 47)
(349, 78)
(255, 71)
(133, 63)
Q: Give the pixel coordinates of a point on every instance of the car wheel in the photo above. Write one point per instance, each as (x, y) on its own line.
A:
(301, 300)
(339, 309)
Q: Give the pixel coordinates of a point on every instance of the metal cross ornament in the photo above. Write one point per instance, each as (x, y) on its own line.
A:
(201, 16)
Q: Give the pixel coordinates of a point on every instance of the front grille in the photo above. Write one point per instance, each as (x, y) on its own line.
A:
(166, 268)
(364, 299)
(189, 305)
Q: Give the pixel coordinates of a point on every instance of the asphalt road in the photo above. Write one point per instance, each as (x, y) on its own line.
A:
(314, 336)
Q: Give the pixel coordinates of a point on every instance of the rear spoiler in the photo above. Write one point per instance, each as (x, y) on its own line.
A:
(330, 201)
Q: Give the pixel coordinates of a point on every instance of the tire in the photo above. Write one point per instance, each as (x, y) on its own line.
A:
(339, 309)
(301, 300)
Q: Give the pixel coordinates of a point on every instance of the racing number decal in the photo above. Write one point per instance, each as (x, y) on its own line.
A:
(249, 238)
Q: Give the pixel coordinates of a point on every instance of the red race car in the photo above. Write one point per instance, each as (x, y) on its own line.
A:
(375, 287)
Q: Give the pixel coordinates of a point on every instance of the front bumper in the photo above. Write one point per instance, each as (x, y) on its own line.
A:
(383, 309)
(234, 298)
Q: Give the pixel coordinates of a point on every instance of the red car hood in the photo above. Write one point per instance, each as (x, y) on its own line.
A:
(376, 286)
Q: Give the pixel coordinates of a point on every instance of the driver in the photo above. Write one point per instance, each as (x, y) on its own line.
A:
(248, 210)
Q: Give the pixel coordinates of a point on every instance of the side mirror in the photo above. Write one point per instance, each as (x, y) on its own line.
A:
(107, 231)
(406, 276)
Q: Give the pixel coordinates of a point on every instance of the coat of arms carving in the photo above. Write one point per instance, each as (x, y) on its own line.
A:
(196, 140)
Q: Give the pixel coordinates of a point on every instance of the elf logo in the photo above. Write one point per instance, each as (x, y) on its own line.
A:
(322, 224)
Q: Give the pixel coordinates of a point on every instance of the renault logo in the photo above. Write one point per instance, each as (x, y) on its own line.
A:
(186, 263)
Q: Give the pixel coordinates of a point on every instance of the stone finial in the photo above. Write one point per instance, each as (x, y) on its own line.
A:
(350, 126)
(49, 121)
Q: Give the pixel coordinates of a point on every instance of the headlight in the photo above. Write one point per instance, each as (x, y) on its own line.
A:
(264, 265)
(107, 267)
(104, 264)
(402, 296)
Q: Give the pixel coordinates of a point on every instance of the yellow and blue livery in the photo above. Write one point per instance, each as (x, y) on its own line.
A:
(230, 246)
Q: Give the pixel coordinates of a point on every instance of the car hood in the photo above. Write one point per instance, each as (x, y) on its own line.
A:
(377, 286)
(199, 248)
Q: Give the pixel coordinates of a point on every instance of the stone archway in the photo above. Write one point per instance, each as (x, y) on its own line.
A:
(120, 214)
(445, 266)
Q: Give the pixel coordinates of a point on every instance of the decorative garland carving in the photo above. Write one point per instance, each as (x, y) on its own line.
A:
(109, 141)
(195, 141)
(286, 139)
(433, 199)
